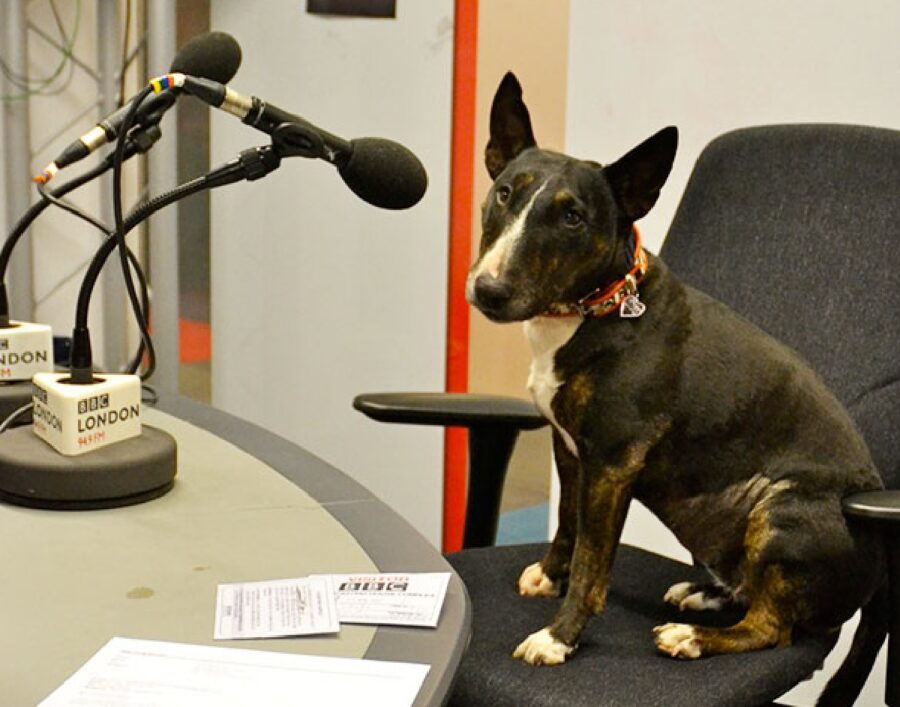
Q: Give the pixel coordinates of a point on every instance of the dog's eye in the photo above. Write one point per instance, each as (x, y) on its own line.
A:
(503, 194)
(573, 218)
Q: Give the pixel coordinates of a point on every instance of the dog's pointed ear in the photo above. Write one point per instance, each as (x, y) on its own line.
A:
(510, 126)
(637, 178)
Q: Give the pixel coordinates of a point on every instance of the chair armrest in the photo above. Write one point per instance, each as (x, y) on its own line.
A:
(882, 508)
(450, 409)
(493, 422)
(874, 505)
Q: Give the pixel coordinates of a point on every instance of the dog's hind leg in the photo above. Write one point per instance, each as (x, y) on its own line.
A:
(757, 630)
(774, 600)
(767, 623)
(545, 578)
(713, 595)
(707, 596)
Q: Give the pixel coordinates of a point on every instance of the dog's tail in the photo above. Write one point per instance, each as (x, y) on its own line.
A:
(847, 682)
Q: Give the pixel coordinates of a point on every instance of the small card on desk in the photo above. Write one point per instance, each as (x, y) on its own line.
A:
(403, 599)
(280, 607)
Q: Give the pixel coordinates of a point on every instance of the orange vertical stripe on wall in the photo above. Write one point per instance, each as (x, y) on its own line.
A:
(461, 178)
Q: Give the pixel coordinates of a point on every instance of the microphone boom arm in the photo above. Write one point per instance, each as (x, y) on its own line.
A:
(250, 165)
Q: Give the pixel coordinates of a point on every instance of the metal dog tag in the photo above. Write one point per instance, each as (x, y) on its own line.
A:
(631, 307)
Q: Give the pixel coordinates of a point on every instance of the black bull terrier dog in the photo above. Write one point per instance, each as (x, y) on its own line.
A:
(657, 392)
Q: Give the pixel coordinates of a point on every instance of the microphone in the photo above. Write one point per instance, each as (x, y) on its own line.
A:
(87, 447)
(211, 55)
(27, 348)
(381, 172)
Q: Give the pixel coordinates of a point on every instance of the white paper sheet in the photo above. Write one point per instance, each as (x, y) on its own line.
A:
(137, 673)
(280, 607)
(411, 599)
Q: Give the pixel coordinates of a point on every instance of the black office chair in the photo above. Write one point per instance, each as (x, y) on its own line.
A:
(798, 228)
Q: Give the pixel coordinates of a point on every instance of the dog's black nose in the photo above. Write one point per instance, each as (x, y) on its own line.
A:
(491, 293)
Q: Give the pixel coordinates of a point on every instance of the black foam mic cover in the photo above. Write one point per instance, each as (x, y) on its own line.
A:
(211, 55)
(384, 173)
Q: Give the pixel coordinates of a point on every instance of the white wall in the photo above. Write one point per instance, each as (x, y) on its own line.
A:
(317, 296)
(712, 66)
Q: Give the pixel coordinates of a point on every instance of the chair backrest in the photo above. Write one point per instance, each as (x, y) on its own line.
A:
(797, 227)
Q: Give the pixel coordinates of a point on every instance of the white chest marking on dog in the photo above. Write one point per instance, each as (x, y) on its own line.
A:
(494, 260)
(546, 335)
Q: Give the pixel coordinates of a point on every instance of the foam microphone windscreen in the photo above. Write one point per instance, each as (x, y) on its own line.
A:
(211, 55)
(384, 173)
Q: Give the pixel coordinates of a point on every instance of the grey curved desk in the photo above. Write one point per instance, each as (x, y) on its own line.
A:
(247, 505)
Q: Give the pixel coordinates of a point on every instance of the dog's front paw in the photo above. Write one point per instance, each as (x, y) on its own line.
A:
(677, 640)
(541, 648)
(534, 583)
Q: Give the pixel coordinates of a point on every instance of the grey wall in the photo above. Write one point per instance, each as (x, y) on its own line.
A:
(317, 296)
(708, 66)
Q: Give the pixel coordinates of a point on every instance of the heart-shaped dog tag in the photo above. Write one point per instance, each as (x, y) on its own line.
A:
(631, 307)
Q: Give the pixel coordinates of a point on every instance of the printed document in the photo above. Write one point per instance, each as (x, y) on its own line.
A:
(128, 672)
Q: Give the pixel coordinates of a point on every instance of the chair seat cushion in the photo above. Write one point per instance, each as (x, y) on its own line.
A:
(616, 662)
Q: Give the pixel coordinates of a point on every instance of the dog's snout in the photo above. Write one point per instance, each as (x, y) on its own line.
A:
(491, 292)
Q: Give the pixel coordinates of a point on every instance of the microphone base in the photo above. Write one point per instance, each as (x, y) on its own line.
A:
(14, 395)
(132, 471)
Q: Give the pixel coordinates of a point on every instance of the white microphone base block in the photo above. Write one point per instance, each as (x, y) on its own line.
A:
(135, 470)
(25, 349)
(82, 418)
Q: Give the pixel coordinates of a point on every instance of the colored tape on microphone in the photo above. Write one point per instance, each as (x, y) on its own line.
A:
(166, 81)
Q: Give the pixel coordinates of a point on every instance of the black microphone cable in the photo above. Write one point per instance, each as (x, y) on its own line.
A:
(26, 220)
(119, 231)
(214, 55)
(71, 208)
(251, 164)
(15, 415)
(143, 317)
(138, 143)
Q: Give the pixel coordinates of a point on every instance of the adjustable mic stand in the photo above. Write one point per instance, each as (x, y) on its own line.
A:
(134, 470)
(15, 394)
